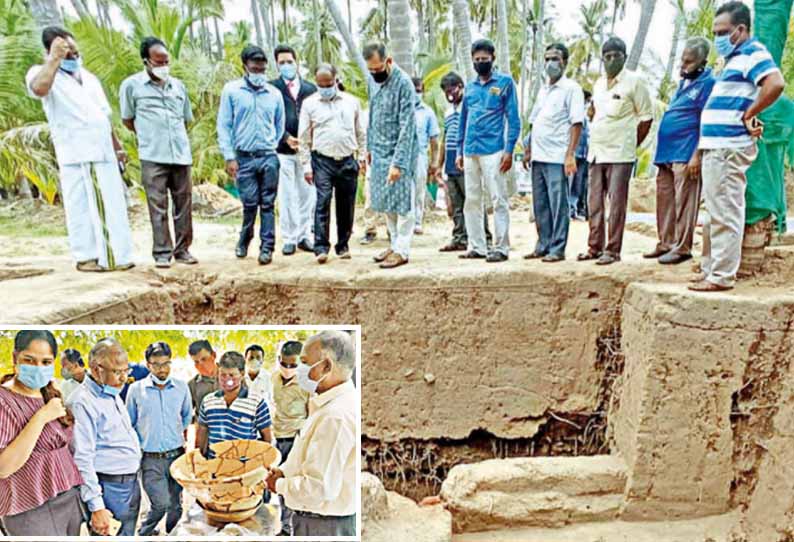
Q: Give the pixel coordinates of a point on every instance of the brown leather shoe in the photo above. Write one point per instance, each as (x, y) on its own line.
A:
(655, 253)
(392, 261)
(383, 255)
(90, 266)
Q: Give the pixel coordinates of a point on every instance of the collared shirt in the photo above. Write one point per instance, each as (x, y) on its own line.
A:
(68, 387)
(261, 385)
(487, 107)
(200, 387)
(320, 472)
(451, 140)
(679, 129)
(245, 418)
(160, 416)
(332, 128)
(293, 87)
(249, 119)
(558, 107)
(618, 111)
(426, 126)
(160, 114)
(291, 406)
(78, 116)
(736, 88)
(104, 439)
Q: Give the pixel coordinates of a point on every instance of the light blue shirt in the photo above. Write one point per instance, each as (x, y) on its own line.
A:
(104, 440)
(160, 416)
(249, 119)
(426, 126)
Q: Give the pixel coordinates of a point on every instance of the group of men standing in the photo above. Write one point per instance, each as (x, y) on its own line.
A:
(306, 408)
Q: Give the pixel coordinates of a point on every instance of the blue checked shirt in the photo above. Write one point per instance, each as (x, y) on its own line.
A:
(487, 108)
(249, 119)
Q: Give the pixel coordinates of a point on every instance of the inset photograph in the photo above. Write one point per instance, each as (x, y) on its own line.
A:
(180, 432)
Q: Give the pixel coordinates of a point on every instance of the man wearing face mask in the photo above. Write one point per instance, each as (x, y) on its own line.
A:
(234, 411)
(250, 127)
(490, 127)
(290, 412)
(318, 479)
(160, 411)
(677, 157)
(556, 120)
(748, 83)
(255, 378)
(332, 150)
(156, 107)
(427, 133)
(106, 447)
(88, 154)
(393, 152)
(296, 198)
(621, 121)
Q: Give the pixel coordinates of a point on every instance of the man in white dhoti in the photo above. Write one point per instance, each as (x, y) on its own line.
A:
(88, 155)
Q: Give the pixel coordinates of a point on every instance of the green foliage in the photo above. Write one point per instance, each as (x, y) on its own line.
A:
(787, 63)
(136, 341)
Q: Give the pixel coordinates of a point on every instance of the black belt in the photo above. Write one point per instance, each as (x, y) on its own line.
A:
(337, 160)
(170, 454)
(255, 154)
(117, 478)
(320, 516)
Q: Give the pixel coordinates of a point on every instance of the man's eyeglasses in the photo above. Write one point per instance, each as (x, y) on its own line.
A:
(163, 365)
(121, 373)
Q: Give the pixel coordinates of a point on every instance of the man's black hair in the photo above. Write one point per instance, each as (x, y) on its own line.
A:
(157, 349)
(483, 45)
(740, 13)
(284, 49)
(451, 79)
(418, 82)
(232, 360)
(372, 49)
(254, 348)
(253, 52)
(49, 34)
(74, 356)
(561, 48)
(613, 44)
(197, 346)
(148, 43)
(291, 348)
(587, 94)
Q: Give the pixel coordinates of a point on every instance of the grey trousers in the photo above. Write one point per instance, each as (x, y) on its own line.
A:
(164, 493)
(724, 174)
(60, 516)
(307, 524)
(159, 180)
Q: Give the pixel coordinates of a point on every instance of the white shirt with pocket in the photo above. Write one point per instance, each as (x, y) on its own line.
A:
(557, 108)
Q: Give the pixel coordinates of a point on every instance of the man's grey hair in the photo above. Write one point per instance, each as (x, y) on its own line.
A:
(339, 347)
(325, 67)
(700, 46)
(103, 350)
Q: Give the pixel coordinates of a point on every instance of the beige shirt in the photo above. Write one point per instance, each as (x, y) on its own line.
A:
(332, 128)
(291, 406)
(320, 472)
(618, 111)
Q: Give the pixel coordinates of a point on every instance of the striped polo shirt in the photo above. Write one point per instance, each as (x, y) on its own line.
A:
(451, 122)
(737, 86)
(245, 418)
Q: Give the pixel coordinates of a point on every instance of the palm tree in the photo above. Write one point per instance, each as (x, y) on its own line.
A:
(537, 50)
(352, 49)
(400, 41)
(646, 15)
(618, 12)
(462, 31)
(318, 43)
(45, 13)
(502, 41)
(679, 28)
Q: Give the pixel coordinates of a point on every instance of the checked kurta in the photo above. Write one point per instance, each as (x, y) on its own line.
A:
(391, 138)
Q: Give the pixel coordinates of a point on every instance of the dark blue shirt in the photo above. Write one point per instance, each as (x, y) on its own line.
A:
(451, 141)
(137, 371)
(486, 108)
(679, 130)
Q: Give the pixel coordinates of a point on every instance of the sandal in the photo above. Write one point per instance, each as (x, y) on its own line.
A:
(383, 255)
(706, 286)
(90, 266)
(584, 256)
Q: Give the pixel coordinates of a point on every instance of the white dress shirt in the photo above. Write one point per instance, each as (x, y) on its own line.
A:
(558, 107)
(332, 128)
(320, 472)
(78, 115)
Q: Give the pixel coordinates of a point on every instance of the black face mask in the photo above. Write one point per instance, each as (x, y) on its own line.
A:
(692, 75)
(483, 68)
(380, 76)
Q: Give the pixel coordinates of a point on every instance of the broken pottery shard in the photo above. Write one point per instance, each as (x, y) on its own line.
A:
(430, 378)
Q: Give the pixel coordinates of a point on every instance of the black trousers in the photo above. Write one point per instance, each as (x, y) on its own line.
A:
(340, 176)
(159, 180)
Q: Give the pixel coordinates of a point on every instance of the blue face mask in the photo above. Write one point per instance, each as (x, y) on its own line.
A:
(160, 382)
(71, 65)
(327, 93)
(35, 377)
(723, 45)
(257, 79)
(288, 71)
(110, 390)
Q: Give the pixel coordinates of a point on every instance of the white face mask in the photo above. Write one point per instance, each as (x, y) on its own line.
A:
(304, 381)
(161, 72)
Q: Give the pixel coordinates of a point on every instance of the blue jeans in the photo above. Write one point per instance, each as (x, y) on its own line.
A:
(164, 493)
(577, 194)
(123, 500)
(550, 203)
(257, 182)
